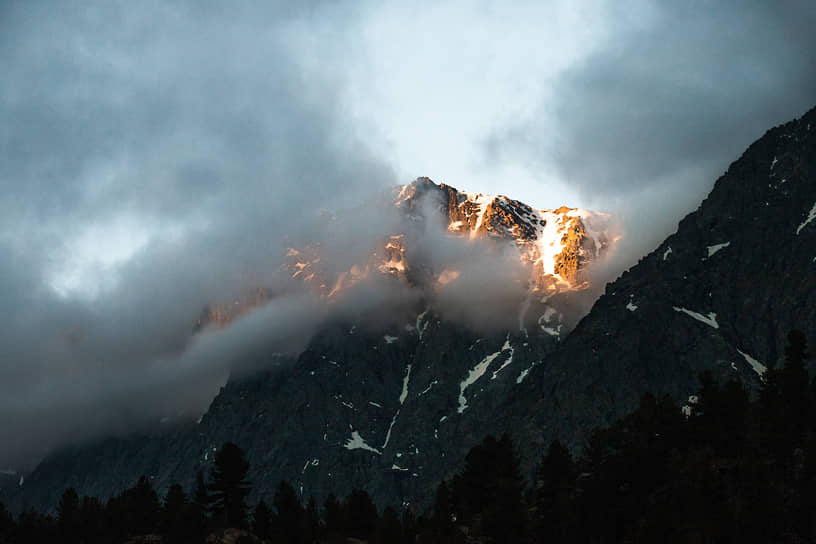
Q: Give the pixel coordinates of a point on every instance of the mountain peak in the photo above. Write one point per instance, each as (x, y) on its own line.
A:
(558, 244)
(555, 249)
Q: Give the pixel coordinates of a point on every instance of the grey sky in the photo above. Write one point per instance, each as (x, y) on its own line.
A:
(158, 156)
(674, 93)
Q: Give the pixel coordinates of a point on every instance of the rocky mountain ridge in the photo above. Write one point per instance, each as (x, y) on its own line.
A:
(395, 410)
(555, 248)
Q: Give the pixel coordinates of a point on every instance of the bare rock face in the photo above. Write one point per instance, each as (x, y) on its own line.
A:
(221, 315)
(556, 244)
(555, 247)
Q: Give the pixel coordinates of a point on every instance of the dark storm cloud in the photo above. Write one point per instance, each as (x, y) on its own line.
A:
(204, 129)
(197, 140)
(675, 93)
(165, 110)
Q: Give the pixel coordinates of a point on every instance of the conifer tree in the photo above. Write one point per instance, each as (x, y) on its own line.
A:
(7, 525)
(389, 528)
(36, 528)
(443, 512)
(229, 487)
(443, 522)
(175, 513)
(491, 488)
(261, 520)
(138, 508)
(409, 525)
(359, 515)
(796, 352)
(289, 519)
(312, 521)
(92, 520)
(554, 492)
(68, 516)
(201, 497)
(332, 518)
(785, 401)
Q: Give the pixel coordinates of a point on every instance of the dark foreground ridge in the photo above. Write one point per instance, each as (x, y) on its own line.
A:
(395, 411)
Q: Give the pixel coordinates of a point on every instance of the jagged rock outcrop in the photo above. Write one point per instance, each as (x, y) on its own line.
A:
(555, 247)
(557, 244)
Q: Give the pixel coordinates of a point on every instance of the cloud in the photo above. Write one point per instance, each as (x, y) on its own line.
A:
(676, 91)
(154, 158)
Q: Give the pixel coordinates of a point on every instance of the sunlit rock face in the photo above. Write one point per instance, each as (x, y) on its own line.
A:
(555, 247)
(221, 315)
(558, 245)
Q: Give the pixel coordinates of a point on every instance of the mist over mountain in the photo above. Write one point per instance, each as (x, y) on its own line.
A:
(389, 393)
(488, 267)
(158, 159)
(207, 230)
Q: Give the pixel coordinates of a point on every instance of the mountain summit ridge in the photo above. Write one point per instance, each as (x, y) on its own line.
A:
(555, 248)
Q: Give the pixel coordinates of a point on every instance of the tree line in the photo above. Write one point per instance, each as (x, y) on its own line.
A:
(728, 468)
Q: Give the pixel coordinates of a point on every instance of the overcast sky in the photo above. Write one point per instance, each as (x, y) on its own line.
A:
(155, 156)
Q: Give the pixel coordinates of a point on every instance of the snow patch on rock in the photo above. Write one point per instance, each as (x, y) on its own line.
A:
(758, 367)
(716, 247)
(356, 442)
(474, 374)
(710, 320)
(811, 216)
(404, 393)
(509, 360)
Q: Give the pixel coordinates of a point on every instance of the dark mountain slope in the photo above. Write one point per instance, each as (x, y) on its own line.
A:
(721, 294)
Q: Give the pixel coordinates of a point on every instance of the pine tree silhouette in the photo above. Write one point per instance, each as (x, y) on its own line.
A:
(136, 509)
(359, 515)
(201, 497)
(261, 520)
(68, 516)
(796, 352)
(175, 514)
(389, 528)
(289, 521)
(312, 521)
(555, 491)
(443, 523)
(35, 528)
(7, 525)
(229, 487)
(785, 398)
(332, 518)
(491, 489)
(92, 522)
(409, 525)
